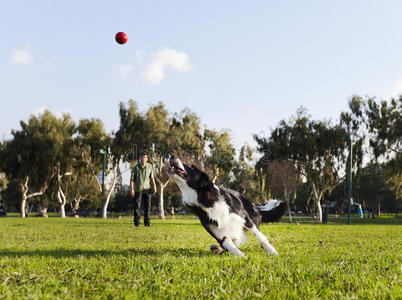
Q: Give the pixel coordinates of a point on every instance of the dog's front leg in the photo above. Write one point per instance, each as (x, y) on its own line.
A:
(263, 240)
(228, 244)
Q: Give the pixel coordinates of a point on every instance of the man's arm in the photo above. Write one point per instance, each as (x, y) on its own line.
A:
(153, 185)
(132, 192)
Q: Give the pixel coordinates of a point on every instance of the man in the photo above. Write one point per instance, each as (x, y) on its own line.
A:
(140, 189)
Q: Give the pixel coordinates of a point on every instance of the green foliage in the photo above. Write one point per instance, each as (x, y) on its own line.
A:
(244, 178)
(379, 124)
(12, 195)
(221, 154)
(122, 202)
(107, 259)
(187, 134)
(46, 148)
(315, 148)
(374, 189)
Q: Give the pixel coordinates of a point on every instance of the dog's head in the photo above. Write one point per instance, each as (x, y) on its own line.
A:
(189, 175)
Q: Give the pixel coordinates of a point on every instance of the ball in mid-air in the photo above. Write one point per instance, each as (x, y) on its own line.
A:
(121, 37)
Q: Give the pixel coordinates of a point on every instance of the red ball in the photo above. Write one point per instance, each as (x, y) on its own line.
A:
(121, 37)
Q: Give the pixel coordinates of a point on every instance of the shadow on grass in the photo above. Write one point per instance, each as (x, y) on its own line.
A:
(83, 253)
(389, 220)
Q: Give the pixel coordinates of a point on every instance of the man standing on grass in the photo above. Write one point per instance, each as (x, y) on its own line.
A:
(140, 189)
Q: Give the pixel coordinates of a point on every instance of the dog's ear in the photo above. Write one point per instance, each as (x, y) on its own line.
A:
(195, 167)
(209, 194)
(205, 183)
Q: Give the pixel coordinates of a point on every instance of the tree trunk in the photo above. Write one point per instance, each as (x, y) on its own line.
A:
(379, 209)
(25, 196)
(288, 202)
(161, 208)
(109, 194)
(62, 210)
(76, 207)
(216, 175)
(23, 204)
(262, 187)
(60, 194)
(289, 211)
(160, 204)
(62, 200)
(317, 199)
(43, 211)
(24, 188)
(319, 211)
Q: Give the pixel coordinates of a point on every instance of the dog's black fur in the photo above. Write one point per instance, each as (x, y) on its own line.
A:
(206, 195)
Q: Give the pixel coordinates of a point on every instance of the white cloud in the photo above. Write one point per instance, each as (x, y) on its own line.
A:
(397, 89)
(165, 59)
(22, 56)
(125, 70)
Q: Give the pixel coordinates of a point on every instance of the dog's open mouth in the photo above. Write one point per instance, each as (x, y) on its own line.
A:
(176, 167)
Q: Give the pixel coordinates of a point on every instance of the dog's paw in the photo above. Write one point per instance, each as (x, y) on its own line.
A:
(216, 249)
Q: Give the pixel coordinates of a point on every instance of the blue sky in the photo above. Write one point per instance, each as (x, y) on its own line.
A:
(242, 65)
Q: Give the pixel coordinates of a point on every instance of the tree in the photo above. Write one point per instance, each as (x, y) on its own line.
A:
(135, 134)
(159, 123)
(384, 123)
(376, 127)
(82, 186)
(284, 178)
(30, 156)
(159, 133)
(221, 154)
(64, 152)
(90, 138)
(187, 135)
(243, 176)
(316, 149)
(3, 178)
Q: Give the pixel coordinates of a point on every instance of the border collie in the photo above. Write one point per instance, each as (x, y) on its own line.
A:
(224, 213)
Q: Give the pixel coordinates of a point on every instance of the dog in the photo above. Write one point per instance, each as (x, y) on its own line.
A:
(224, 213)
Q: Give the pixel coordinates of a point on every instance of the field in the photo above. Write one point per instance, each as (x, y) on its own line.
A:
(91, 258)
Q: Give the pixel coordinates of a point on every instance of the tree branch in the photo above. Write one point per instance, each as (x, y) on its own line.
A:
(166, 183)
(331, 185)
(34, 195)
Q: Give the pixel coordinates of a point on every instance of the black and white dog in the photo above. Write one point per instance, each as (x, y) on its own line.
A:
(224, 213)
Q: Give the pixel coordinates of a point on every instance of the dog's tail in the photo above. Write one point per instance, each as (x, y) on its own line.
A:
(272, 211)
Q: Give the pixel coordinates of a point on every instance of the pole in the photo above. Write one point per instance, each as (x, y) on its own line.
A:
(350, 179)
(103, 181)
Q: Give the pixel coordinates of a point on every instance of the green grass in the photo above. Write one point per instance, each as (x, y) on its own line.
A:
(106, 259)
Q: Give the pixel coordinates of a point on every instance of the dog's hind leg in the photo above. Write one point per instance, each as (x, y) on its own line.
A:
(263, 240)
(228, 244)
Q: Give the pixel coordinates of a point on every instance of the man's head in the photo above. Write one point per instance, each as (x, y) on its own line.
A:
(143, 158)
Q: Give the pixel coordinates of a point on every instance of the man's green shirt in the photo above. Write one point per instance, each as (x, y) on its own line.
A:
(141, 176)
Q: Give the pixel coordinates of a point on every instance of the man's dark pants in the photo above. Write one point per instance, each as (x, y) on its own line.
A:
(145, 197)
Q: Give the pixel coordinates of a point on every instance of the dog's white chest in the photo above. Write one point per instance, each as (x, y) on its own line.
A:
(190, 196)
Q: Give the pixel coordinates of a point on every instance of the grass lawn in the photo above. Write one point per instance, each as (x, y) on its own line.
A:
(91, 258)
